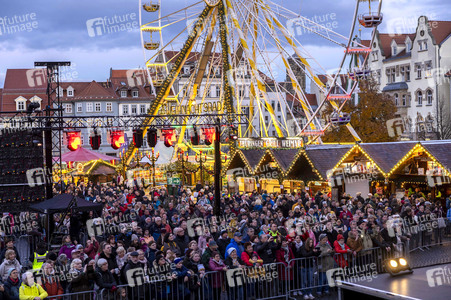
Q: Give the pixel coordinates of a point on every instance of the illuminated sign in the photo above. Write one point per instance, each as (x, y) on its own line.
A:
(271, 143)
(197, 109)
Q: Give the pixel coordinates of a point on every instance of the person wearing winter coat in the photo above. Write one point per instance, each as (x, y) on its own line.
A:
(92, 246)
(216, 264)
(12, 284)
(325, 263)
(80, 279)
(223, 241)
(308, 252)
(104, 279)
(67, 247)
(343, 250)
(29, 290)
(266, 248)
(183, 276)
(9, 262)
(285, 255)
(234, 262)
(136, 291)
(9, 245)
(49, 281)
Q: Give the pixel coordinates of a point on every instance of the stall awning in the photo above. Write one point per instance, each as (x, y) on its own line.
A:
(82, 154)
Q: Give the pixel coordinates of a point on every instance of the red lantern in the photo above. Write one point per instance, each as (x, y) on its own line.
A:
(73, 140)
(169, 136)
(209, 135)
(117, 139)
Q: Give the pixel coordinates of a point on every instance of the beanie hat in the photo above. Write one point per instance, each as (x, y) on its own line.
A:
(340, 237)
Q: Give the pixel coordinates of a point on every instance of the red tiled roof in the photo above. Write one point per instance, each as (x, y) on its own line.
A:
(440, 30)
(386, 39)
(94, 91)
(311, 98)
(27, 80)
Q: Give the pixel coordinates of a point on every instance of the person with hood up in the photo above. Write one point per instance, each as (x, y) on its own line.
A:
(12, 284)
(343, 250)
(29, 290)
(9, 262)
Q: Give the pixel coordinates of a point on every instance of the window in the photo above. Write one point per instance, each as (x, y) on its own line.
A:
(273, 133)
(403, 71)
(278, 106)
(20, 105)
(407, 73)
(418, 70)
(123, 93)
(420, 46)
(135, 94)
(428, 69)
(266, 120)
(59, 92)
(393, 75)
(378, 76)
(98, 107)
(68, 108)
(70, 91)
(394, 50)
(134, 109)
(429, 97)
(396, 100)
(420, 98)
(408, 46)
(425, 45)
(375, 55)
(89, 107)
(79, 107)
(142, 109)
(272, 104)
(404, 98)
(186, 70)
(109, 107)
(218, 91)
(241, 92)
(125, 109)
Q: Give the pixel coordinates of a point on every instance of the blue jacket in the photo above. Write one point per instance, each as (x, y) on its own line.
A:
(233, 244)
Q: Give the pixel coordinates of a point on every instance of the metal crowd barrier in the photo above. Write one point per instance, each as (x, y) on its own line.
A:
(87, 295)
(430, 234)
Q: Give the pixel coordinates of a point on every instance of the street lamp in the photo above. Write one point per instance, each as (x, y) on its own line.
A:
(138, 157)
(153, 159)
(182, 159)
(201, 161)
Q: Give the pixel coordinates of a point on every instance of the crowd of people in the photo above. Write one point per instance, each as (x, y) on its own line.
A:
(177, 242)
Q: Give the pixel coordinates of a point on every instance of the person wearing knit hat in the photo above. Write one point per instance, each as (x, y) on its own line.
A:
(323, 235)
(341, 248)
(230, 250)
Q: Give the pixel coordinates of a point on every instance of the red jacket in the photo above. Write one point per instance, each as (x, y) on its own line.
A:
(91, 251)
(340, 258)
(280, 257)
(245, 257)
(54, 288)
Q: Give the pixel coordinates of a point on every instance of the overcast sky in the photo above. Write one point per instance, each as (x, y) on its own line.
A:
(61, 30)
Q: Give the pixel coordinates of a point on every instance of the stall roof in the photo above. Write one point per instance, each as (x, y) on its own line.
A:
(325, 157)
(441, 150)
(62, 202)
(253, 156)
(284, 157)
(387, 155)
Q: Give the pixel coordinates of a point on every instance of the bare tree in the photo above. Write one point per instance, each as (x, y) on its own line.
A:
(443, 121)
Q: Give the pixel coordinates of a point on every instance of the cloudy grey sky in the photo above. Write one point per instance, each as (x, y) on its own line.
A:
(57, 30)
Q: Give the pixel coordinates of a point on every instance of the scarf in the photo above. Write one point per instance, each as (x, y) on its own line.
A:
(286, 255)
(14, 281)
(298, 245)
(342, 246)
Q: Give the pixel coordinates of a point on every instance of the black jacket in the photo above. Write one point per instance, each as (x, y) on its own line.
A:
(267, 251)
(105, 280)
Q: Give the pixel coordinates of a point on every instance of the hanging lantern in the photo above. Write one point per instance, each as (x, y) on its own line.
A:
(209, 134)
(169, 136)
(73, 140)
(117, 139)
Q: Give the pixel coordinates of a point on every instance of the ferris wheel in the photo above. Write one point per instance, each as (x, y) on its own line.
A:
(240, 56)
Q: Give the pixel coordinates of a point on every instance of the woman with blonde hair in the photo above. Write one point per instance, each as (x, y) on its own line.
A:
(9, 262)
